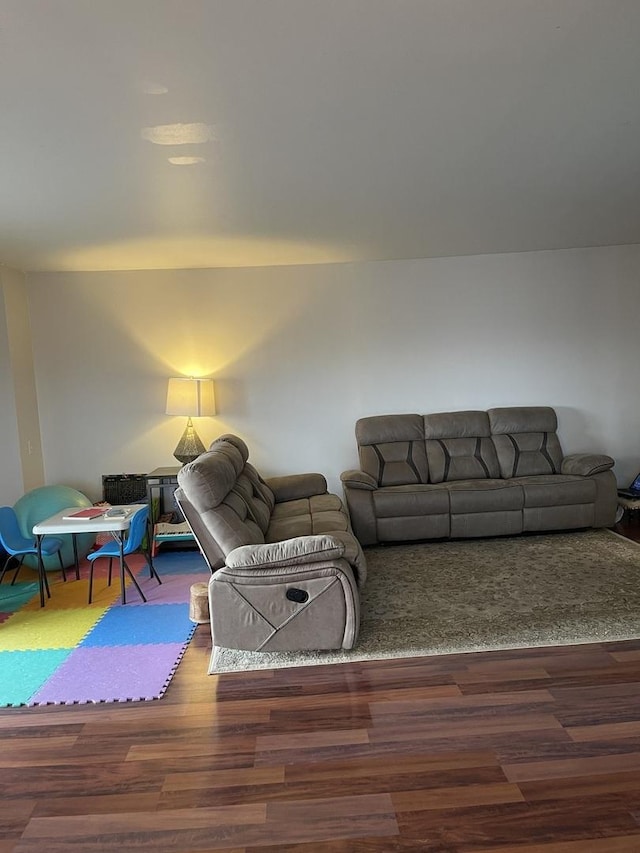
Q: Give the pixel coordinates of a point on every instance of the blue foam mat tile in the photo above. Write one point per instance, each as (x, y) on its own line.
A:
(148, 623)
(179, 562)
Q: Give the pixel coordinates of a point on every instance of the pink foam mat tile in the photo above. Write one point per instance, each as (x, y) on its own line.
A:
(174, 589)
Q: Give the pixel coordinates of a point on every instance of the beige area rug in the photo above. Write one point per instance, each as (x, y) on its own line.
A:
(485, 594)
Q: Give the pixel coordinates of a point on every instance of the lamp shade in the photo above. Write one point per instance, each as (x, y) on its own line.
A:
(193, 398)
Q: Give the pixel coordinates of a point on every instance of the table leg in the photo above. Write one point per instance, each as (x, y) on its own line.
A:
(75, 555)
(40, 569)
(43, 582)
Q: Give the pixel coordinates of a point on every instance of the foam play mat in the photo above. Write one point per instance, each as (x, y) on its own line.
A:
(71, 652)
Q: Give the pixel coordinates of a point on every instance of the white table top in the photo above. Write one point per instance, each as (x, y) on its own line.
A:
(59, 524)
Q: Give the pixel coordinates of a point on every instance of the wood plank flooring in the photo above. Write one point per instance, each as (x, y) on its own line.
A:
(527, 751)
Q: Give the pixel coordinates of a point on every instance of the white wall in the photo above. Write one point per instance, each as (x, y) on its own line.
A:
(19, 469)
(299, 353)
(24, 386)
(10, 472)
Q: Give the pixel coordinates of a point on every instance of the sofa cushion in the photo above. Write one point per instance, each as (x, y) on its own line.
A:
(261, 489)
(248, 502)
(406, 528)
(304, 506)
(212, 475)
(466, 525)
(209, 547)
(294, 486)
(391, 449)
(514, 419)
(306, 517)
(557, 490)
(321, 514)
(230, 503)
(392, 501)
(234, 440)
(469, 496)
(228, 529)
(525, 440)
(459, 447)
(223, 475)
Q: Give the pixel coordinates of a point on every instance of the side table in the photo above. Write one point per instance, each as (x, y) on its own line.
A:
(159, 482)
(630, 505)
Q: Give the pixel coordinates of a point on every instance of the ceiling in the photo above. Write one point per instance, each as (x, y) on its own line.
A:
(322, 130)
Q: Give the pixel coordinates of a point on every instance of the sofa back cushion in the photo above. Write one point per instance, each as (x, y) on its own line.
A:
(526, 441)
(459, 447)
(233, 501)
(391, 449)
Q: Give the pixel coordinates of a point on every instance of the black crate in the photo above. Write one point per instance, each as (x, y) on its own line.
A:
(124, 488)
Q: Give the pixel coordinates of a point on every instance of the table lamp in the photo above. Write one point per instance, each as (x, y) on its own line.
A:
(193, 398)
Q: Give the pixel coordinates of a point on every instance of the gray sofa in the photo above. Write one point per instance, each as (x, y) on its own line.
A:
(286, 567)
(471, 474)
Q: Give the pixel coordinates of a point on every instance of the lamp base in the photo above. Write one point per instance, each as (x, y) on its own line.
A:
(189, 447)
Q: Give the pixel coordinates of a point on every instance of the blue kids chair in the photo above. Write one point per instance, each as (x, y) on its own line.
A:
(131, 544)
(17, 545)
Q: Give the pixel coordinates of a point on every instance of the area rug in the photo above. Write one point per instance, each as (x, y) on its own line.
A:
(70, 652)
(481, 595)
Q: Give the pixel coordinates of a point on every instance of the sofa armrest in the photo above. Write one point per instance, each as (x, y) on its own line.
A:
(296, 486)
(585, 464)
(358, 480)
(290, 552)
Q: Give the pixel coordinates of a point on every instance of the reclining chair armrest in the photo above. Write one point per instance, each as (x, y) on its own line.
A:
(359, 488)
(358, 480)
(296, 486)
(290, 552)
(586, 464)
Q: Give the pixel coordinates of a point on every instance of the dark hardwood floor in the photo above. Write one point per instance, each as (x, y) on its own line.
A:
(536, 751)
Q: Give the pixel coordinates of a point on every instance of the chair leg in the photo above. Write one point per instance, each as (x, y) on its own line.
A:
(110, 567)
(5, 567)
(146, 553)
(17, 571)
(135, 582)
(91, 562)
(64, 574)
(152, 571)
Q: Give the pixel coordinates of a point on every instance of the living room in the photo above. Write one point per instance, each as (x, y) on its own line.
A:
(382, 208)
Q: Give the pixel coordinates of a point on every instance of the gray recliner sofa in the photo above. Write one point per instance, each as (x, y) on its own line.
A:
(286, 567)
(472, 474)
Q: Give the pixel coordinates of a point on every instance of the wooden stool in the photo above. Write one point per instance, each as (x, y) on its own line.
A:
(199, 603)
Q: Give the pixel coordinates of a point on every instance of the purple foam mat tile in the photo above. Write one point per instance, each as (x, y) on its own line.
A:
(112, 674)
(174, 589)
(4, 617)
